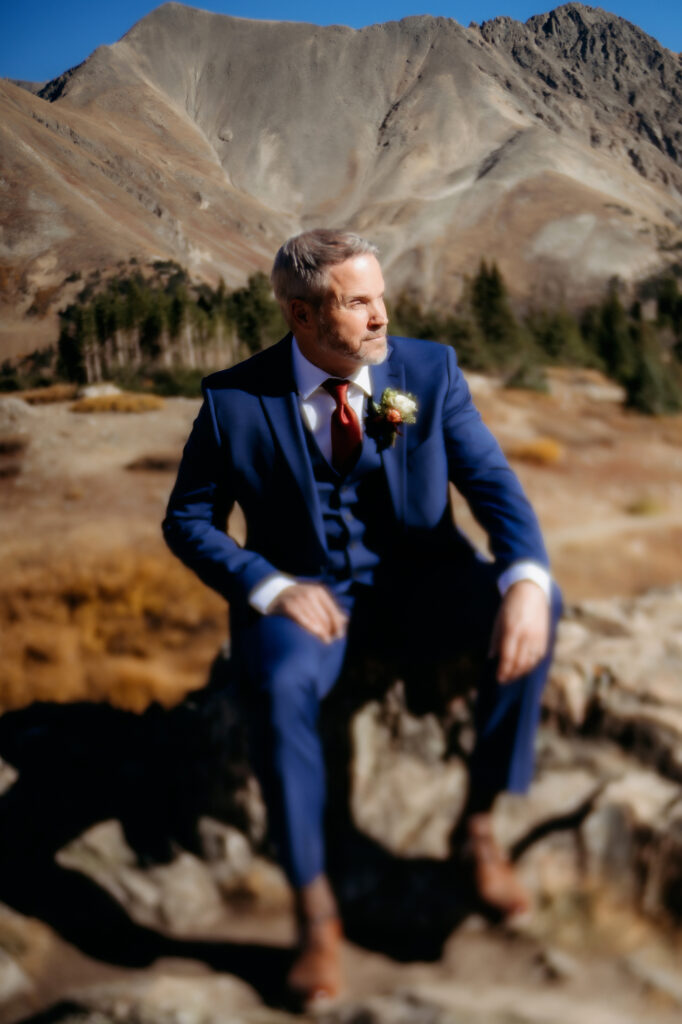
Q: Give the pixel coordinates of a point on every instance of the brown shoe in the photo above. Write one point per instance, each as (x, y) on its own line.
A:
(495, 880)
(315, 976)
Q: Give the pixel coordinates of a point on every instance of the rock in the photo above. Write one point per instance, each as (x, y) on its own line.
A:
(225, 845)
(8, 776)
(16, 415)
(96, 390)
(555, 796)
(620, 675)
(102, 854)
(558, 964)
(406, 794)
(552, 870)
(649, 798)
(608, 839)
(181, 897)
(15, 985)
(393, 1009)
(568, 697)
(190, 900)
(168, 999)
(663, 980)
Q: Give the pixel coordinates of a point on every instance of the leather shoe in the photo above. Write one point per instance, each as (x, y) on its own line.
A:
(495, 880)
(316, 976)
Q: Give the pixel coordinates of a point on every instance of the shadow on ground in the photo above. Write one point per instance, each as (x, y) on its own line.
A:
(158, 773)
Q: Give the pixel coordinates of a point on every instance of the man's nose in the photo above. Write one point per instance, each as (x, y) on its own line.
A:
(377, 313)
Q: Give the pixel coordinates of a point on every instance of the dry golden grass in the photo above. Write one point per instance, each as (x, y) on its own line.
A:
(646, 505)
(125, 402)
(124, 627)
(540, 451)
(44, 396)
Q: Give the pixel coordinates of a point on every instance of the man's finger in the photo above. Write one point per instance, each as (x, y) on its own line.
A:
(510, 652)
(337, 617)
(300, 612)
(326, 607)
(312, 607)
(294, 602)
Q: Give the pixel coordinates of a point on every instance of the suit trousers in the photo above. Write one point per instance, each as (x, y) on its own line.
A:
(420, 618)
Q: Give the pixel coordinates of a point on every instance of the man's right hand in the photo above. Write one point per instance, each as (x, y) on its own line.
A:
(312, 606)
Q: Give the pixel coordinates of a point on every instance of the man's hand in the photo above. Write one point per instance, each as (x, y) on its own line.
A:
(521, 631)
(312, 606)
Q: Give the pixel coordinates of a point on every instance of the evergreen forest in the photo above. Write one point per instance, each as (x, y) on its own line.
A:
(159, 331)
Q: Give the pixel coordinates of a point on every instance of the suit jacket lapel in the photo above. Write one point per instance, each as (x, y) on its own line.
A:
(391, 374)
(280, 402)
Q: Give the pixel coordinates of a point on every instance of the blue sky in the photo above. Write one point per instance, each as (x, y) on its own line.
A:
(41, 38)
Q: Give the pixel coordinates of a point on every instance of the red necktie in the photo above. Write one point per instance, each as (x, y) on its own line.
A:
(346, 430)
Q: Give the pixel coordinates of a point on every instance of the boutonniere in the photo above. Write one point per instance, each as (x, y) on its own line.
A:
(385, 419)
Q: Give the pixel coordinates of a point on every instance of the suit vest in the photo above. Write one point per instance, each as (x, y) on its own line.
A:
(357, 512)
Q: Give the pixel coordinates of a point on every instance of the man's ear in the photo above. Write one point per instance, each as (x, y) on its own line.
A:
(301, 313)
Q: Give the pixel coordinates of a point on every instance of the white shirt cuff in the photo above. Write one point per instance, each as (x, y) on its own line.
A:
(525, 571)
(265, 592)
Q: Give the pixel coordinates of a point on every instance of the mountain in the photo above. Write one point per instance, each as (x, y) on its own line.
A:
(554, 146)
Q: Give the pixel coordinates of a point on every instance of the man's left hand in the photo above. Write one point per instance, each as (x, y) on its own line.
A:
(521, 632)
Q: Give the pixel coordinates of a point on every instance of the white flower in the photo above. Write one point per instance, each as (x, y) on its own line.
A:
(405, 405)
(401, 404)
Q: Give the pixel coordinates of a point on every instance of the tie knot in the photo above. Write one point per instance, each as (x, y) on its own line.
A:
(337, 388)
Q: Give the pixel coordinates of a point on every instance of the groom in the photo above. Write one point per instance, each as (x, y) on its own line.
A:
(339, 444)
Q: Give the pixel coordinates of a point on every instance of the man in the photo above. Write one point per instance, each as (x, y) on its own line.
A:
(339, 444)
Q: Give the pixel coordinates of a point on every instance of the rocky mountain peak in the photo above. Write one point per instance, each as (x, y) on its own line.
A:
(623, 76)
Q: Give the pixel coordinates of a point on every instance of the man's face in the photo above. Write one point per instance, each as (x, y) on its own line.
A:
(349, 328)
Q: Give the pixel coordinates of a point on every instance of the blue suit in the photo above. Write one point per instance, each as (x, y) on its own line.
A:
(249, 445)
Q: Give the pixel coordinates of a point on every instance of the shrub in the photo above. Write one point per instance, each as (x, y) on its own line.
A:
(529, 375)
(49, 394)
(541, 451)
(646, 505)
(179, 380)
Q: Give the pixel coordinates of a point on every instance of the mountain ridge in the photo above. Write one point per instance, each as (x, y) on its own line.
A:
(554, 145)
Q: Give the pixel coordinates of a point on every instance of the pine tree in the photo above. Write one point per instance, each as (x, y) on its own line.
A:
(499, 329)
(257, 316)
(653, 386)
(558, 337)
(614, 341)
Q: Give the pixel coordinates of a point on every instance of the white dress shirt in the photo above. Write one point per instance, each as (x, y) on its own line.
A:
(317, 406)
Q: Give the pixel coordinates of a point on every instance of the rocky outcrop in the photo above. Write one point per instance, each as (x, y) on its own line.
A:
(598, 840)
(603, 815)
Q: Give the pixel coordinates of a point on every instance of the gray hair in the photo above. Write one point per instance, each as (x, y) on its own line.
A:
(301, 265)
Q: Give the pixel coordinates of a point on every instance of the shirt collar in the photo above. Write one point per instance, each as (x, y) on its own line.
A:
(309, 377)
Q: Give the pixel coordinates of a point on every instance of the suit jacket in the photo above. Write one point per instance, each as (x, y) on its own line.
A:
(247, 445)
